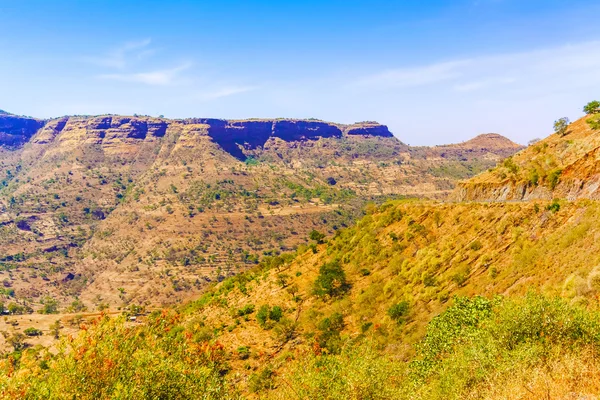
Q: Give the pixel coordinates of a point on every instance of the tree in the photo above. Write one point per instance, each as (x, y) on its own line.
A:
(317, 236)
(50, 306)
(55, 329)
(594, 122)
(31, 331)
(593, 107)
(331, 280)
(17, 341)
(561, 125)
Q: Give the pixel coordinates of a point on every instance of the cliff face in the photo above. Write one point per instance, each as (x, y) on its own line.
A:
(232, 136)
(368, 129)
(15, 130)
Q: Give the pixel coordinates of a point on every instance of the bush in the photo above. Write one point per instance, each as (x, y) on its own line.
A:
(156, 360)
(246, 310)
(554, 178)
(594, 122)
(356, 373)
(263, 380)
(554, 206)
(276, 313)
(329, 337)
(32, 332)
(331, 280)
(398, 311)
(476, 245)
(317, 236)
(243, 352)
(285, 330)
(50, 306)
(262, 315)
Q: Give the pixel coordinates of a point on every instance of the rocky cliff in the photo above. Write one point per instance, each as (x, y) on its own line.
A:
(15, 130)
(232, 135)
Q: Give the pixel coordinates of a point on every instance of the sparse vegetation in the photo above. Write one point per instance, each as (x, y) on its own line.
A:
(561, 126)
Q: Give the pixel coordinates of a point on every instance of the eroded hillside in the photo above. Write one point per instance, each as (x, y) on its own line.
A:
(118, 209)
(559, 166)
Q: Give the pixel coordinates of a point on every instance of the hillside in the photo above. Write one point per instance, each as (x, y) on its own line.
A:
(417, 299)
(555, 167)
(323, 320)
(115, 209)
(419, 254)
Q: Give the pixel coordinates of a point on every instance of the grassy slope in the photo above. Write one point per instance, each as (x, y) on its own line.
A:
(421, 253)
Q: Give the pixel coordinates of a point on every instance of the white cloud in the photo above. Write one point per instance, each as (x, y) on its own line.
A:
(225, 92)
(162, 77)
(415, 76)
(483, 84)
(119, 57)
(574, 64)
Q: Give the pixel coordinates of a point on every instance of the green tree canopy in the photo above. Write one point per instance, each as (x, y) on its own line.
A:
(593, 107)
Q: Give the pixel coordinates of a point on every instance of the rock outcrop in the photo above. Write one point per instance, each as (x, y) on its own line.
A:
(16, 130)
(231, 135)
(368, 129)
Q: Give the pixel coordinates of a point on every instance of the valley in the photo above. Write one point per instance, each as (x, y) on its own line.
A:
(112, 210)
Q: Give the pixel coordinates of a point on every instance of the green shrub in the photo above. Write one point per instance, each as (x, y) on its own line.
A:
(554, 178)
(476, 245)
(262, 315)
(356, 373)
(554, 206)
(276, 313)
(317, 236)
(32, 332)
(156, 360)
(246, 310)
(50, 306)
(398, 311)
(243, 352)
(329, 337)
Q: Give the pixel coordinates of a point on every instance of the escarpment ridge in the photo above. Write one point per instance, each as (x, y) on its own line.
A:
(249, 134)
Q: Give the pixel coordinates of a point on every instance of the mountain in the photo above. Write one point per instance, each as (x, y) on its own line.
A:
(556, 167)
(149, 210)
(418, 298)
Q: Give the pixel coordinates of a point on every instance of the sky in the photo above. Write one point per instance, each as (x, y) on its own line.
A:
(434, 71)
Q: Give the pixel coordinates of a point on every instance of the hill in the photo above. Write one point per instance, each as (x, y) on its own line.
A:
(559, 166)
(111, 210)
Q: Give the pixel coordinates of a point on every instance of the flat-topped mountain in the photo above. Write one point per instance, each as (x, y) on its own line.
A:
(159, 207)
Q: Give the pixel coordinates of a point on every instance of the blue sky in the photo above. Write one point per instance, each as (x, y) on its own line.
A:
(434, 71)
